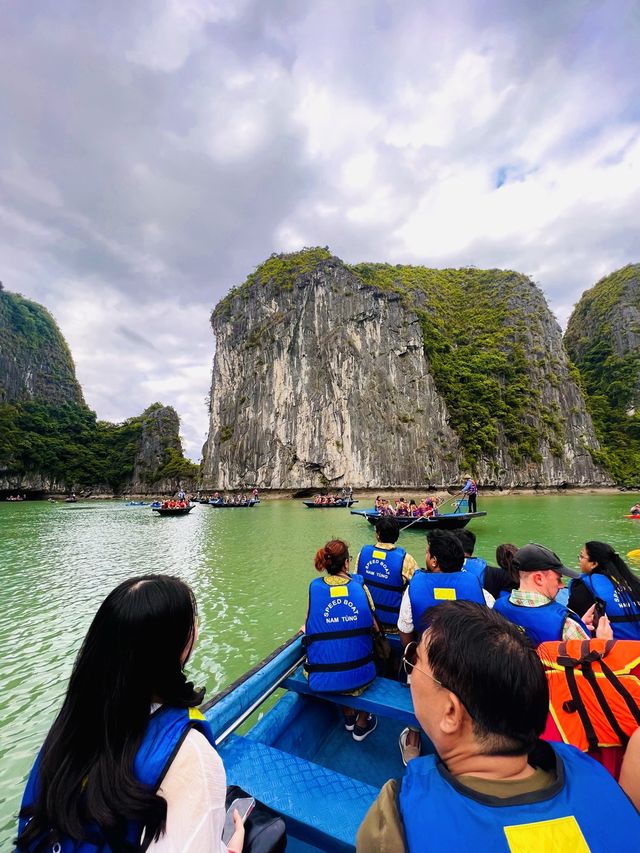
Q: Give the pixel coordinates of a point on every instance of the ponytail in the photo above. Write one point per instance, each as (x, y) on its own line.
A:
(332, 558)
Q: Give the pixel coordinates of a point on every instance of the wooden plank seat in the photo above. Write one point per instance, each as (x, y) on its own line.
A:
(383, 697)
(325, 807)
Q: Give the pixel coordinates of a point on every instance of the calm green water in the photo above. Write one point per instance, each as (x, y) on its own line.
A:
(250, 570)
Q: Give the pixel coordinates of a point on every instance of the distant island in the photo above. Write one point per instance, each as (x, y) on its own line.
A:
(51, 442)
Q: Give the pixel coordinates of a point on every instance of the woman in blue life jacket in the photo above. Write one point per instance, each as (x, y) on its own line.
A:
(607, 577)
(129, 761)
(339, 634)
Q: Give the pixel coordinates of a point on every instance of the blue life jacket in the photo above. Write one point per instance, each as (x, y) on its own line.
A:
(584, 810)
(622, 610)
(382, 573)
(541, 624)
(429, 588)
(339, 637)
(165, 732)
(475, 566)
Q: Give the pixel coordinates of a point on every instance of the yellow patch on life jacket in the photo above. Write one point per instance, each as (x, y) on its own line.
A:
(444, 594)
(338, 591)
(562, 835)
(194, 714)
(379, 555)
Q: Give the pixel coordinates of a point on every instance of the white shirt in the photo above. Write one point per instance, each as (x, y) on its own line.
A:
(195, 788)
(405, 617)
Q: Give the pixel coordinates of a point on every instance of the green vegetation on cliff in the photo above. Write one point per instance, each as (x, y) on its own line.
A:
(279, 271)
(472, 336)
(35, 362)
(67, 443)
(602, 339)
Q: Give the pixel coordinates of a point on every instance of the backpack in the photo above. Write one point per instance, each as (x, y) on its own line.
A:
(594, 691)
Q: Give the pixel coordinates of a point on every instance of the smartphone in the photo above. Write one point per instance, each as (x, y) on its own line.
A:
(601, 609)
(245, 807)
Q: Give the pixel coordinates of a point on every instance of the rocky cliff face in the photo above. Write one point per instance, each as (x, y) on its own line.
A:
(603, 340)
(35, 362)
(381, 376)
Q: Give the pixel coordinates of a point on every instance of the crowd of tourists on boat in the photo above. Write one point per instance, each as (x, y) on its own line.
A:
(429, 506)
(426, 508)
(340, 498)
(130, 761)
(239, 499)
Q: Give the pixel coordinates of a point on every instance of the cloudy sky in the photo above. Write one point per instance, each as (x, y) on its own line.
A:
(153, 152)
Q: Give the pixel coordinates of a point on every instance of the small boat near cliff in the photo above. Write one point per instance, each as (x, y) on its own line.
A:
(297, 758)
(173, 510)
(444, 521)
(339, 504)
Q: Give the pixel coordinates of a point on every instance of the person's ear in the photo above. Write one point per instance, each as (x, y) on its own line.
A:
(452, 715)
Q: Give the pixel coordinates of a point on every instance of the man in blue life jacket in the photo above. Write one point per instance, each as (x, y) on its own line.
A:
(386, 569)
(470, 492)
(480, 694)
(442, 580)
(533, 606)
(492, 578)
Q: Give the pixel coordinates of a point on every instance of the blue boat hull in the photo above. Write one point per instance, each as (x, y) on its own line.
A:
(445, 521)
(337, 505)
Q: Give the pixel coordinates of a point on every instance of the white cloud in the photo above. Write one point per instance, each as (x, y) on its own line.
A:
(145, 173)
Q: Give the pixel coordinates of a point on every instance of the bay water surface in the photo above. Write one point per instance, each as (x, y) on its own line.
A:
(249, 568)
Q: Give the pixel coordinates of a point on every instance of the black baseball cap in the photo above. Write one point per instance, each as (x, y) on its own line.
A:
(537, 558)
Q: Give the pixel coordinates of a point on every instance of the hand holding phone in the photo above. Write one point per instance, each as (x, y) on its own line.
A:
(244, 807)
(600, 610)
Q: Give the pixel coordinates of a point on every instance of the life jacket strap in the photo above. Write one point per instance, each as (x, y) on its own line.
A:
(336, 635)
(622, 690)
(577, 703)
(587, 671)
(631, 617)
(339, 667)
(378, 585)
(386, 608)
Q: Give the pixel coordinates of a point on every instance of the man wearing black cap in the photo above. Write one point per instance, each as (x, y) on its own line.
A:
(533, 606)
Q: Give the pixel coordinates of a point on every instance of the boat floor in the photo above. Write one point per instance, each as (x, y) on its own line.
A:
(373, 761)
(313, 730)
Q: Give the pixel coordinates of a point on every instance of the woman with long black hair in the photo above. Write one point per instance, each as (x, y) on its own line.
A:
(607, 577)
(129, 762)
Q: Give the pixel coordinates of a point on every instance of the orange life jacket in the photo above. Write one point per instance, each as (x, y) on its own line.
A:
(594, 691)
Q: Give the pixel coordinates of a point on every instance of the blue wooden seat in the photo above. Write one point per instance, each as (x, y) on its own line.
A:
(383, 697)
(320, 806)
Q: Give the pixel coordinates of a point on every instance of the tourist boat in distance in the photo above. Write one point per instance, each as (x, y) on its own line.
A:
(220, 504)
(443, 521)
(298, 759)
(173, 510)
(341, 503)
